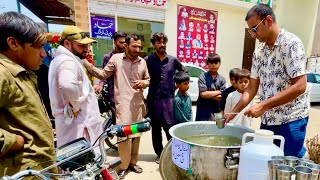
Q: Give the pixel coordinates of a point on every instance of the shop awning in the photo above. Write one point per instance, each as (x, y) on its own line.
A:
(52, 11)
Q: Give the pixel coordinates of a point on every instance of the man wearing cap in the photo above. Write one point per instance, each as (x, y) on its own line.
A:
(73, 101)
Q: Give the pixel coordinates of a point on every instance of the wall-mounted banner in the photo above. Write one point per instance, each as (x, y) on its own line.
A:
(102, 27)
(268, 2)
(197, 32)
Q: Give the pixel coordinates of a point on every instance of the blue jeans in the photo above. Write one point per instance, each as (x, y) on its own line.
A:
(294, 134)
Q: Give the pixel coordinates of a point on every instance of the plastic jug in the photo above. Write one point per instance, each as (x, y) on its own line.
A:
(254, 155)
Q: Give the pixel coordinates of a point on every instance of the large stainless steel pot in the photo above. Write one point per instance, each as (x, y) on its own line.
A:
(205, 162)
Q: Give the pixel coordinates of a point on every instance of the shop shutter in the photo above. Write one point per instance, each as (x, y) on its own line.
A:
(127, 11)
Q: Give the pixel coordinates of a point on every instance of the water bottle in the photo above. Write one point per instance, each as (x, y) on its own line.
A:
(254, 155)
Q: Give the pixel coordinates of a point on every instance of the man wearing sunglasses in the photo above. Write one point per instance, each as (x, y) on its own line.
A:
(278, 71)
(73, 100)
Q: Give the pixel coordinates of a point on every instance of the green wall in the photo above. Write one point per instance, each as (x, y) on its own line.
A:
(100, 48)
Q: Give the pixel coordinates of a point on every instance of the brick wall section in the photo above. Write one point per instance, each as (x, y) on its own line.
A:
(82, 14)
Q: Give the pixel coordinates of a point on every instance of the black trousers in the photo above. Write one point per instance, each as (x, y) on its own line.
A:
(162, 116)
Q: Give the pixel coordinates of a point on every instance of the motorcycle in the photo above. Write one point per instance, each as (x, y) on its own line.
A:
(78, 159)
(107, 110)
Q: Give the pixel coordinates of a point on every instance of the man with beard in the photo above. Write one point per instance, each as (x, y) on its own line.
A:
(130, 78)
(162, 68)
(118, 41)
(73, 101)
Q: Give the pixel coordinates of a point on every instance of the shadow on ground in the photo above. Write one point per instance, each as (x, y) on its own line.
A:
(147, 157)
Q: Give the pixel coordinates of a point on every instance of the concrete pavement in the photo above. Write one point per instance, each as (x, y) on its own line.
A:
(147, 157)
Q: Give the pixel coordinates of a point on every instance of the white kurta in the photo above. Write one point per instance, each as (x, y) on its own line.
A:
(69, 84)
(232, 100)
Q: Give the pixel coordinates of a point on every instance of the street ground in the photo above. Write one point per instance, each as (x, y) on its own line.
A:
(147, 157)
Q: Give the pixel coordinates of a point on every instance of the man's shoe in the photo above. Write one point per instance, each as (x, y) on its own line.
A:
(158, 159)
(122, 173)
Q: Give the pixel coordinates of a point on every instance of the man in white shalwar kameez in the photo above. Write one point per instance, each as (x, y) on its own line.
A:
(73, 101)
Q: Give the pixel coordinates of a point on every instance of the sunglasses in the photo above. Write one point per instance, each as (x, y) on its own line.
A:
(255, 28)
(83, 35)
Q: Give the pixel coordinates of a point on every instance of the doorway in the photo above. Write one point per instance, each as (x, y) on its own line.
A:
(248, 49)
(145, 29)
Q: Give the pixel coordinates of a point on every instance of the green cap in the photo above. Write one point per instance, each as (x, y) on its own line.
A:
(74, 33)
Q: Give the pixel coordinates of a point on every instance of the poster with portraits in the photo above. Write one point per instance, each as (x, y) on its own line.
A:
(196, 37)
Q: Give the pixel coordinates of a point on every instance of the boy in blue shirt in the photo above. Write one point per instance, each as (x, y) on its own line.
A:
(182, 102)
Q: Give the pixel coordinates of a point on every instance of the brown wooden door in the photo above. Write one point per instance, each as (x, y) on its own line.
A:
(248, 49)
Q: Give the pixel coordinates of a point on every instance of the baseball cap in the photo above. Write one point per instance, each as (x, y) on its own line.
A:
(73, 33)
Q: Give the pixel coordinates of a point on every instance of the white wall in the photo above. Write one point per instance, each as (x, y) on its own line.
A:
(299, 17)
(230, 30)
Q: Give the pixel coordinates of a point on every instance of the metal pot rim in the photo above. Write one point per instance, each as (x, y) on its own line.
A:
(171, 132)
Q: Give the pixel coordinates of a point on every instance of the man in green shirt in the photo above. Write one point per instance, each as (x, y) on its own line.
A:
(26, 138)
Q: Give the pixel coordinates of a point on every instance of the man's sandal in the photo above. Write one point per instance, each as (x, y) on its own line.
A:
(122, 173)
(135, 168)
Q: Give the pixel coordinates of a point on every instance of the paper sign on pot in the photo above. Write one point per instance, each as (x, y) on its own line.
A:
(180, 153)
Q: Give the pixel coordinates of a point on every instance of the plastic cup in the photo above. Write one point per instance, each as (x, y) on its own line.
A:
(291, 160)
(303, 173)
(284, 172)
(315, 175)
(272, 166)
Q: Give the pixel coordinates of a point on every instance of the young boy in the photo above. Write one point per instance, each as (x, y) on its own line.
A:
(210, 84)
(232, 75)
(182, 102)
(242, 81)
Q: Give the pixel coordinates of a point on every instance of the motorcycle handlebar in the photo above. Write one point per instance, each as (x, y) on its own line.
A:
(115, 130)
(126, 130)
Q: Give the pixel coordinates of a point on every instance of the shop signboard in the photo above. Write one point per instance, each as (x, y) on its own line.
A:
(102, 27)
(159, 4)
(155, 3)
(268, 2)
(196, 37)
